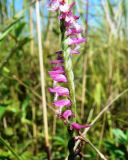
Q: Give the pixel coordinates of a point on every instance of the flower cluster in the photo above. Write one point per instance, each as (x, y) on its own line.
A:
(72, 34)
(73, 29)
(62, 101)
(58, 75)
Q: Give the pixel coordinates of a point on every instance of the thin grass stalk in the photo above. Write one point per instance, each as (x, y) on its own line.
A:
(31, 30)
(96, 149)
(2, 141)
(100, 114)
(84, 64)
(44, 107)
(13, 7)
(54, 125)
(102, 134)
(5, 123)
(110, 84)
(86, 18)
(34, 129)
(83, 86)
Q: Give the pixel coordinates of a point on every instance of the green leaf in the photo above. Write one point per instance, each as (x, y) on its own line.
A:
(120, 137)
(9, 28)
(7, 145)
(24, 107)
(98, 94)
(109, 5)
(4, 155)
(59, 141)
(6, 70)
(119, 152)
(2, 111)
(8, 131)
(20, 28)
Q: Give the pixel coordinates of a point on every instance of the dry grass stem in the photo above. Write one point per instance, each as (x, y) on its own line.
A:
(96, 149)
(101, 113)
(44, 106)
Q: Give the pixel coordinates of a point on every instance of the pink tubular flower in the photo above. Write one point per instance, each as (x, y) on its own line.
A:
(62, 103)
(72, 41)
(75, 52)
(60, 68)
(64, 8)
(61, 91)
(73, 31)
(56, 72)
(67, 114)
(78, 126)
(59, 77)
(69, 19)
(60, 61)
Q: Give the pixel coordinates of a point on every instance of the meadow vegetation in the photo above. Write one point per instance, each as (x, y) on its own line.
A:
(101, 75)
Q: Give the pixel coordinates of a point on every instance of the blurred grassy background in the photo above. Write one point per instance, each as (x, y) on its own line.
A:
(101, 73)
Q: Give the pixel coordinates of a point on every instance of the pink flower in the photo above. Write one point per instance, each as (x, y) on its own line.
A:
(67, 114)
(61, 91)
(78, 126)
(64, 8)
(54, 5)
(56, 72)
(72, 41)
(60, 61)
(73, 31)
(75, 50)
(62, 103)
(61, 1)
(58, 77)
(61, 68)
(77, 26)
(69, 19)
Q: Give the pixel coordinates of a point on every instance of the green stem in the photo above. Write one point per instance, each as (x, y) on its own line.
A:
(9, 148)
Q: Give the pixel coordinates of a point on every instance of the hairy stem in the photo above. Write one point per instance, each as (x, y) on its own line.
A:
(68, 66)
